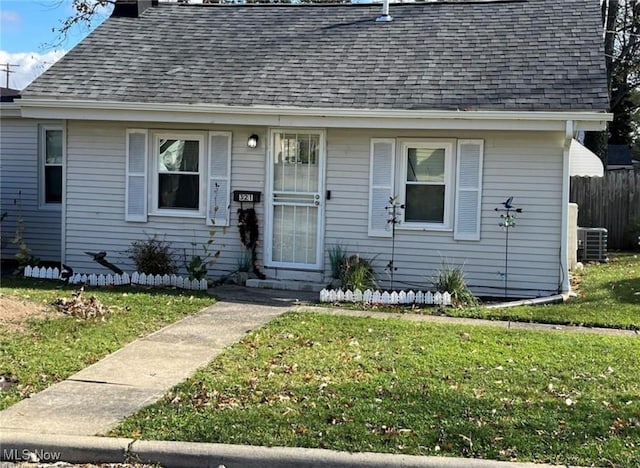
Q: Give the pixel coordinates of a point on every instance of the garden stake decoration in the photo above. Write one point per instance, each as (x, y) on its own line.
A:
(394, 212)
(508, 221)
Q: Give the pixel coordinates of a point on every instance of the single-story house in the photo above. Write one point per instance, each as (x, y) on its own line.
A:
(166, 111)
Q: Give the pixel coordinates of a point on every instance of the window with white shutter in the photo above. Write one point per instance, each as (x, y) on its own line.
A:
(468, 190)
(136, 176)
(219, 178)
(381, 179)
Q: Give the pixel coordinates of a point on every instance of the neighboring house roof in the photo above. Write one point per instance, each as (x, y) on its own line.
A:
(8, 94)
(619, 155)
(535, 55)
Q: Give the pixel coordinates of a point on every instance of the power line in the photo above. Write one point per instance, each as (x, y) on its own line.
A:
(7, 70)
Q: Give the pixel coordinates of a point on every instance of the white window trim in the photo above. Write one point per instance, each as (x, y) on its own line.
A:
(153, 209)
(42, 162)
(449, 146)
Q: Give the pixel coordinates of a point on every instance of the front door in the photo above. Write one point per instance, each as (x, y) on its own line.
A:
(295, 201)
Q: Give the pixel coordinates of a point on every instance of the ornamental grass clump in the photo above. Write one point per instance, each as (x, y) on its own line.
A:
(357, 273)
(337, 258)
(451, 279)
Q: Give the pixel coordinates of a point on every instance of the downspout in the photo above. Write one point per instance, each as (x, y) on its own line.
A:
(565, 286)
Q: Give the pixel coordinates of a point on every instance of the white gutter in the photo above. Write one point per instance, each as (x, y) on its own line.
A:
(564, 230)
(28, 104)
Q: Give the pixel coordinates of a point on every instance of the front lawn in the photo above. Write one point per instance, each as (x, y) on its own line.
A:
(609, 296)
(364, 384)
(47, 347)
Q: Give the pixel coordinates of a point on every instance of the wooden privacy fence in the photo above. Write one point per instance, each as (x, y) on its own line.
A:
(385, 297)
(612, 202)
(135, 278)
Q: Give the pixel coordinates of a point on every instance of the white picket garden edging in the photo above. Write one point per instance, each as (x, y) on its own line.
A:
(118, 280)
(392, 298)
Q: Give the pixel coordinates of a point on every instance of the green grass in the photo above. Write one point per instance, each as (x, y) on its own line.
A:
(362, 384)
(48, 349)
(609, 298)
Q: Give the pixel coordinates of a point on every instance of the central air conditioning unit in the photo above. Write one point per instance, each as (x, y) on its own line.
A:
(592, 244)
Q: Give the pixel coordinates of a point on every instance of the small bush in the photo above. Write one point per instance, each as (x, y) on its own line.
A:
(337, 258)
(152, 256)
(451, 279)
(357, 273)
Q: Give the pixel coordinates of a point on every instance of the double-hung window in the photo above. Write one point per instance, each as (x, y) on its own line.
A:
(427, 183)
(179, 174)
(438, 182)
(52, 160)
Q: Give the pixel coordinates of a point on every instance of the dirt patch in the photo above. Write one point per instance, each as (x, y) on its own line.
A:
(14, 311)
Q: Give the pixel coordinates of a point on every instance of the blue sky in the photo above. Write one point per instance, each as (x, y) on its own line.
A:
(27, 39)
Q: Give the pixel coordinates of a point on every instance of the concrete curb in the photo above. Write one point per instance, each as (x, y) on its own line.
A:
(86, 449)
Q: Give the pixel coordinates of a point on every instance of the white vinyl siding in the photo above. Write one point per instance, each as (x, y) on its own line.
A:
(219, 177)
(381, 176)
(95, 222)
(468, 190)
(20, 172)
(525, 165)
(136, 177)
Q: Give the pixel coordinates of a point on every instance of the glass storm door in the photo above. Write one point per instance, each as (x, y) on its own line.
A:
(296, 171)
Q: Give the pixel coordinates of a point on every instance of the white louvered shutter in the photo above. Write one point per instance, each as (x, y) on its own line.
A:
(219, 177)
(381, 185)
(136, 183)
(468, 190)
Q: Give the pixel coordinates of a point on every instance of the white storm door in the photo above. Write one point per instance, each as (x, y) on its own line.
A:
(295, 199)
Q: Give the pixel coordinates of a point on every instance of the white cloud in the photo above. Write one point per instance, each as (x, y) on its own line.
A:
(29, 66)
(8, 17)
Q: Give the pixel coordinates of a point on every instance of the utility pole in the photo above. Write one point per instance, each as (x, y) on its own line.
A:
(7, 70)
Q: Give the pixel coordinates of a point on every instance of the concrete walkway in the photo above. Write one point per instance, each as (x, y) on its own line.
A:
(97, 398)
(66, 417)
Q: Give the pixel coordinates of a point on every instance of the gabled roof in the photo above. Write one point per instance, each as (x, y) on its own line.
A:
(521, 55)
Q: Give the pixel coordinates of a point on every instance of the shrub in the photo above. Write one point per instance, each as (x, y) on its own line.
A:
(451, 279)
(152, 256)
(357, 273)
(337, 258)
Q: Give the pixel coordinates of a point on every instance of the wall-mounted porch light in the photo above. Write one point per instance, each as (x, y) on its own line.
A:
(252, 142)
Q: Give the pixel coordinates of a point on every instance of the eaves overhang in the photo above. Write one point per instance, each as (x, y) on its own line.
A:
(47, 108)
(9, 110)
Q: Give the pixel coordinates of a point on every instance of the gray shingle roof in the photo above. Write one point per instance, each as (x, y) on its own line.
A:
(543, 55)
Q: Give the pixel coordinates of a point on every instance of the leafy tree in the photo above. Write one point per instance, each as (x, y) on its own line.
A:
(621, 21)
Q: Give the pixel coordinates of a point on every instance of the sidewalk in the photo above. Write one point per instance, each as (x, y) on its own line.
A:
(97, 398)
(65, 418)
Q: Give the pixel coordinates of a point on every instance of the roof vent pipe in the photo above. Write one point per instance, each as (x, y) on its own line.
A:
(385, 17)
